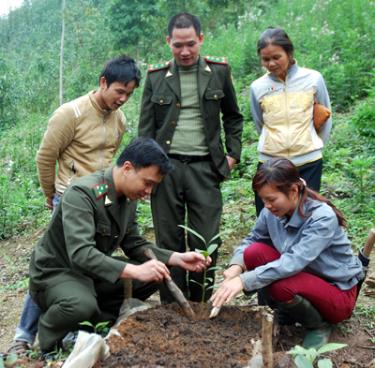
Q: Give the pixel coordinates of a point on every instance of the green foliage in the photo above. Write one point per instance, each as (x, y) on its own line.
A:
(361, 168)
(338, 45)
(305, 358)
(368, 311)
(101, 328)
(209, 248)
(348, 179)
(138, 23)
(19, 285)
(364, 118)
(9, 94)
(21, 202)
(9, 361)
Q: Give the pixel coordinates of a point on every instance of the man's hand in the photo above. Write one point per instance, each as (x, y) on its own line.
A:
(48, 203)
(232, 271)
(226, 291)
(231, 162)
(149, 271)
(190, 261)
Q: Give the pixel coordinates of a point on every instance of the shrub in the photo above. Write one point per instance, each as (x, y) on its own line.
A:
(364, 118)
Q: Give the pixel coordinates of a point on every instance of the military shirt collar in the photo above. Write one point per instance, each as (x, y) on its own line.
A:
(111, 197)
(202, 67)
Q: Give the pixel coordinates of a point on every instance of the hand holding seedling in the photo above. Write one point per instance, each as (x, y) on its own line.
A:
(191, 261)
(226, 291)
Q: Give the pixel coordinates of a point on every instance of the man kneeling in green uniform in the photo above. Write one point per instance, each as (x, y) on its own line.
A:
(73, 277)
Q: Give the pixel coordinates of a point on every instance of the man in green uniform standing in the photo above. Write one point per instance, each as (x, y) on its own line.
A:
(73, 277)
(182, 103)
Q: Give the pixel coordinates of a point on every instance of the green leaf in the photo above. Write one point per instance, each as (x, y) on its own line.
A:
(302, 362)
(330, 347)
(101, 325)
(311, 354)
(203, 252)
(212, 248)
(87, 323)
(325, 363)
(11, 359)
(217, 236)
(297, 350)
(199, 236)
(215, 268)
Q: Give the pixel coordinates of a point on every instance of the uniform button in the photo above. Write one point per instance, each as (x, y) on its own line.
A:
(161, 101)
(178, 105)
(168, 142)
(173, 123)
(215, 97)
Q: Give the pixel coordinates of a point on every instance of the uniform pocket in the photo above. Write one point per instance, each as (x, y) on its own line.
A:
(162, 104)
(103, 238)
(161, 100)
(214, 94)
(212, 101)
(103, 228)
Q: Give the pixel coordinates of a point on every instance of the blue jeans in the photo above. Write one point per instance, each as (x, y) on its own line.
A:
(28, 325)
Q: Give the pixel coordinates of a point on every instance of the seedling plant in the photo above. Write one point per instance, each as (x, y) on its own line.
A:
(306, 358)
(209, 248)
(101, 328)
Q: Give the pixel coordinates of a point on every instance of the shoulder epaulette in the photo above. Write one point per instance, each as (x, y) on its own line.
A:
(159, 66)
(216, 59)
(100, 190)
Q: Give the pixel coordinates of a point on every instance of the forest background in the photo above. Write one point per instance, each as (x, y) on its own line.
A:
(333, 37)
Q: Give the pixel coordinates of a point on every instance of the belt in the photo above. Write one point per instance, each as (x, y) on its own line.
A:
(187, 159)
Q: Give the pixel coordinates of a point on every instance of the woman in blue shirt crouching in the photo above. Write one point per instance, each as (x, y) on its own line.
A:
(298, 253)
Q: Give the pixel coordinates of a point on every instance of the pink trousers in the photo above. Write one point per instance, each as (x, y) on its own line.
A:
(334, 304)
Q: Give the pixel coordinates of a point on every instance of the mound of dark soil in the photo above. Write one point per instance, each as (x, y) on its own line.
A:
(164, 337)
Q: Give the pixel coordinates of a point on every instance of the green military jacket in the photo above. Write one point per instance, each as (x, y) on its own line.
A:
(88, 225)
(161, 104)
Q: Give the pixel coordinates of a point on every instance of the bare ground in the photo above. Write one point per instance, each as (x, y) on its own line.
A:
(358, 332)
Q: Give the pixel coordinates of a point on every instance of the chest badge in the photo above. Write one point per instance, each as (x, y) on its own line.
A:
(100, 190)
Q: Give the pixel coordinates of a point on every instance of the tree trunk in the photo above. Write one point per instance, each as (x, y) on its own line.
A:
(61, 84)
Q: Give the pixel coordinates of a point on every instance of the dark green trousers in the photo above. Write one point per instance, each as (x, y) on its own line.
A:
(190, 195)
(67, 303)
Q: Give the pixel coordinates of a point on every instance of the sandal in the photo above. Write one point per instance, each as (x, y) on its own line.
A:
(19, 347)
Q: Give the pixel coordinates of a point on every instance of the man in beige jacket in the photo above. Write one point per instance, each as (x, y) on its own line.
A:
(82, 137)
(84, 134)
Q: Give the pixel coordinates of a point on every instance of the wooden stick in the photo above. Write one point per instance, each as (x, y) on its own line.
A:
(128, 288)
(267, 328)
(175, 291)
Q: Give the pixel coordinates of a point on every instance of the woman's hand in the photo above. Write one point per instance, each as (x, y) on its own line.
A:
(226, 291)
(232, 271)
